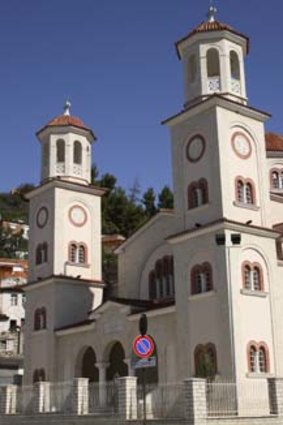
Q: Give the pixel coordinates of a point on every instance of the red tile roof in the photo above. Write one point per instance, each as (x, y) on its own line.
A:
(210, 26)
(65, 121)
(273, 142)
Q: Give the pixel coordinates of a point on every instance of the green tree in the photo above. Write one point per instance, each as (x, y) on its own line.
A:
(166, 198)
(148, 201)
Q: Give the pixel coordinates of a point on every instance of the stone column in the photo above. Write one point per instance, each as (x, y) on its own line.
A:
(8, 399)
(80, 396)
(42, 397)
(275, 389)
(102, 367)
(195, 401)
(128, 403)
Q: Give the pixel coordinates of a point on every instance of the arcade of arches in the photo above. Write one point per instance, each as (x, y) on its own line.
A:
(114, 365)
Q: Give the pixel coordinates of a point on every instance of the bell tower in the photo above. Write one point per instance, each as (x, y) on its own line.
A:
(213, 60)
(65, 278)
(66, 154)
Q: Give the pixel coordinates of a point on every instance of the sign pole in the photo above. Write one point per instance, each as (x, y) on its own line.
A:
(144, 396)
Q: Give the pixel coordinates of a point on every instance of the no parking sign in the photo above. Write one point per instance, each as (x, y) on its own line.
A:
(143, 346)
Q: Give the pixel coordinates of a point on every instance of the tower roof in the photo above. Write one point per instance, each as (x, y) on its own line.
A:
(211, 25)
(67, 120)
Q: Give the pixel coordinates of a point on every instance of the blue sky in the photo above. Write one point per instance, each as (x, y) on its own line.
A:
(115, 60)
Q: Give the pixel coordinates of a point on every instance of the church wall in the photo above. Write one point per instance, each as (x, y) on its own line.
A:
(89, 234)
(136, 251)
(233, 166)
(202, 318)
(38, 235)
(185, 172)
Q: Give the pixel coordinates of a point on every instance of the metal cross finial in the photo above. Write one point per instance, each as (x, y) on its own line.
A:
(67, 107)
(211, 11)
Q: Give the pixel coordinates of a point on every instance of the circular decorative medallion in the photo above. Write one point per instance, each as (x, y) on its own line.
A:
(241, 145)
(195, 148)
(77, 216)
(42, 217)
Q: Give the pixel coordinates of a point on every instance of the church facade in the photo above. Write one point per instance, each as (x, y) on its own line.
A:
(208, 274)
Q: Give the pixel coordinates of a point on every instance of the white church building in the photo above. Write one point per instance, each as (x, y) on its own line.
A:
(208, 274)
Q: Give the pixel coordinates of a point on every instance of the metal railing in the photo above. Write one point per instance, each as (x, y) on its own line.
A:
(161, 401)
(246, 398)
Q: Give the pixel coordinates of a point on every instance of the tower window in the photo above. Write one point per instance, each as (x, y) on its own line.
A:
(276, 179)
(77, 153)
(77, 253)
(41, 255)
(197, 194)
(252, 277)
(14, 299)
(60, 150)
(258, 358)
(245, 192)
(234, 65)
(40, 320)
(201, 278)
(213, 63)
(161, 279)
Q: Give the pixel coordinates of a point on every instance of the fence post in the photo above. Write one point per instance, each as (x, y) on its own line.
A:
(80, 390)
(128, 403)
(8, 400)
(275, 389)
(42, 397)
(195, 401)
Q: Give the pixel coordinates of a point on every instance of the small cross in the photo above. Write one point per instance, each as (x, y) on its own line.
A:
(211, 11)
(67, 107)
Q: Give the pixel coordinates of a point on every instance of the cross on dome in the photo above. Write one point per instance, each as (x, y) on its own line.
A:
(67, 108)
(211, 12)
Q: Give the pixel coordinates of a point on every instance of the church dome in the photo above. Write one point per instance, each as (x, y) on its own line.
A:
(66, 120)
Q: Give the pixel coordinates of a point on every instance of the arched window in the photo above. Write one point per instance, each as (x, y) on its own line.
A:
(262, 360)
(40, 319)
(77, 153)
(258, 358)
(253, 359)
(249, 193)
(41, 253)
(36, 320)
(60, 150)
(161, 279)
(213, 63)
(201, 278)
(82, 254)
(73, 253)
(197, 194)
(252, 277)
(276, 179)
(205, 361)
(77, 253)
(234, 65)
(245, 193)
(192, 68)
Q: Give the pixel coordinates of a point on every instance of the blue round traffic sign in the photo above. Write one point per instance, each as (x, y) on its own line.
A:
(143, 346)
